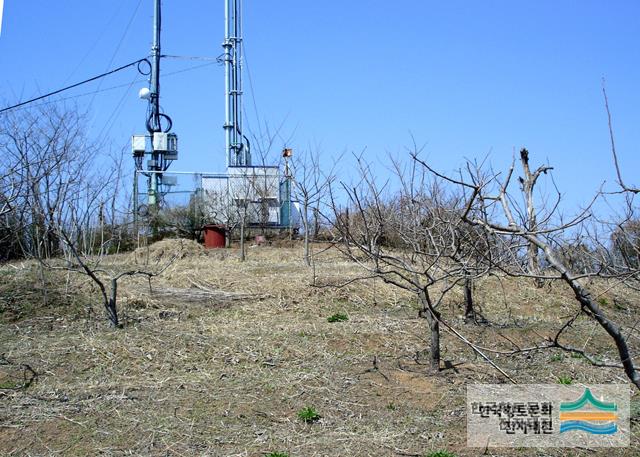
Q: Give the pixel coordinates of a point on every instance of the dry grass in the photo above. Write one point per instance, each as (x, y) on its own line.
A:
(221, 355)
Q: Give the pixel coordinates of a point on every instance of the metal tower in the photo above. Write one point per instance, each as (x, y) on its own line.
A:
(260, 189)
(236, 143)
(153, 121)
(158, 146)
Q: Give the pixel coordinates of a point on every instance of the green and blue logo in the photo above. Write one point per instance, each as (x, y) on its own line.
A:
(589, 415)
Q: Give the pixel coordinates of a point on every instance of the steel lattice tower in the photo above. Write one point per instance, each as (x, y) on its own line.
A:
(236, 144)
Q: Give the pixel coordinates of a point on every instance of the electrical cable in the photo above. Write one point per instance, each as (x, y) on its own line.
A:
(115, 113)
(85, 94)
(206, 58)
(195, 67)
(106, 89)
(55, 92)
(124, 34)
(95, 43)
(160, 116)
(119, 45)
(253, 94)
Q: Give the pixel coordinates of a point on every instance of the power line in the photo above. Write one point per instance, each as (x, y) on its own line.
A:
(195, 67)
(95, 43)
(124, 34)
(119, 86)
(137, 62)
(207, 58)
(253, 94)
(114, 115)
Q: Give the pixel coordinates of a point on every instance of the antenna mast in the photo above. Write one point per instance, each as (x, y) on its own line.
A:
(153, 123)
(236, 143)
(162, 149)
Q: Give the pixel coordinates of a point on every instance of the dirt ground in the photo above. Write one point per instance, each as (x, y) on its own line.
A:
(219, 356)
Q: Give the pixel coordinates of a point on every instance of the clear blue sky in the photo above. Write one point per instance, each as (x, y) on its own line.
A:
(465, 78)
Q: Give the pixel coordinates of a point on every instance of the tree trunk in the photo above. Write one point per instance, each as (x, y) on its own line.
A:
(469, 312)
(316, 223)
(305, 222)
(434, 327)
(587, 302)
(532, 259)
(528, 184)
(227, 239)
(111, 305)
(242, 253)
(432, 317)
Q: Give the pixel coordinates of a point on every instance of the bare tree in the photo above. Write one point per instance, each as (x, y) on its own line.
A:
(528, 183)
(217, 206)
(10, 189)
(625, 236)
(625, 241)
(237, 200)
(414, 239)
(50, 157)
(93, 268)
(64, 205)
(491, 200)
(310, 188)
(254, 189)
(52, 163)
(621, 182)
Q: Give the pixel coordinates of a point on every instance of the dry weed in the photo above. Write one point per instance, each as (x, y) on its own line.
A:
(219, 356)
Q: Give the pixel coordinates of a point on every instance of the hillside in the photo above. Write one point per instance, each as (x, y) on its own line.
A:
(219, 357)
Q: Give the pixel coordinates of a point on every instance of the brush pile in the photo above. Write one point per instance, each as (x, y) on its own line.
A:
(166, 250)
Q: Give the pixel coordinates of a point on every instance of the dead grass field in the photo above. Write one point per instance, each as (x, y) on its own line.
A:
(220, 356)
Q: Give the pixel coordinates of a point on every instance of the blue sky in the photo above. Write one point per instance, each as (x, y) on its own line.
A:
(465, 78)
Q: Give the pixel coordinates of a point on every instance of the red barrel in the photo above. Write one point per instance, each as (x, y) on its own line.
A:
(214, 236)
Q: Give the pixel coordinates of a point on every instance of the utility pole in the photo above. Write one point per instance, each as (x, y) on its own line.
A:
(158, 146)
(237, 146)
(135, 203)
(285, 192)
(153, 123)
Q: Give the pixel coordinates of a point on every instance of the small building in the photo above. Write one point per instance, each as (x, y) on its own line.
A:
(257, 191)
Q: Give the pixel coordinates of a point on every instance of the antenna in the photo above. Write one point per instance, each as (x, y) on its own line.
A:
(259, 189)
(237, 146)
(153, 122)
(162, 149)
